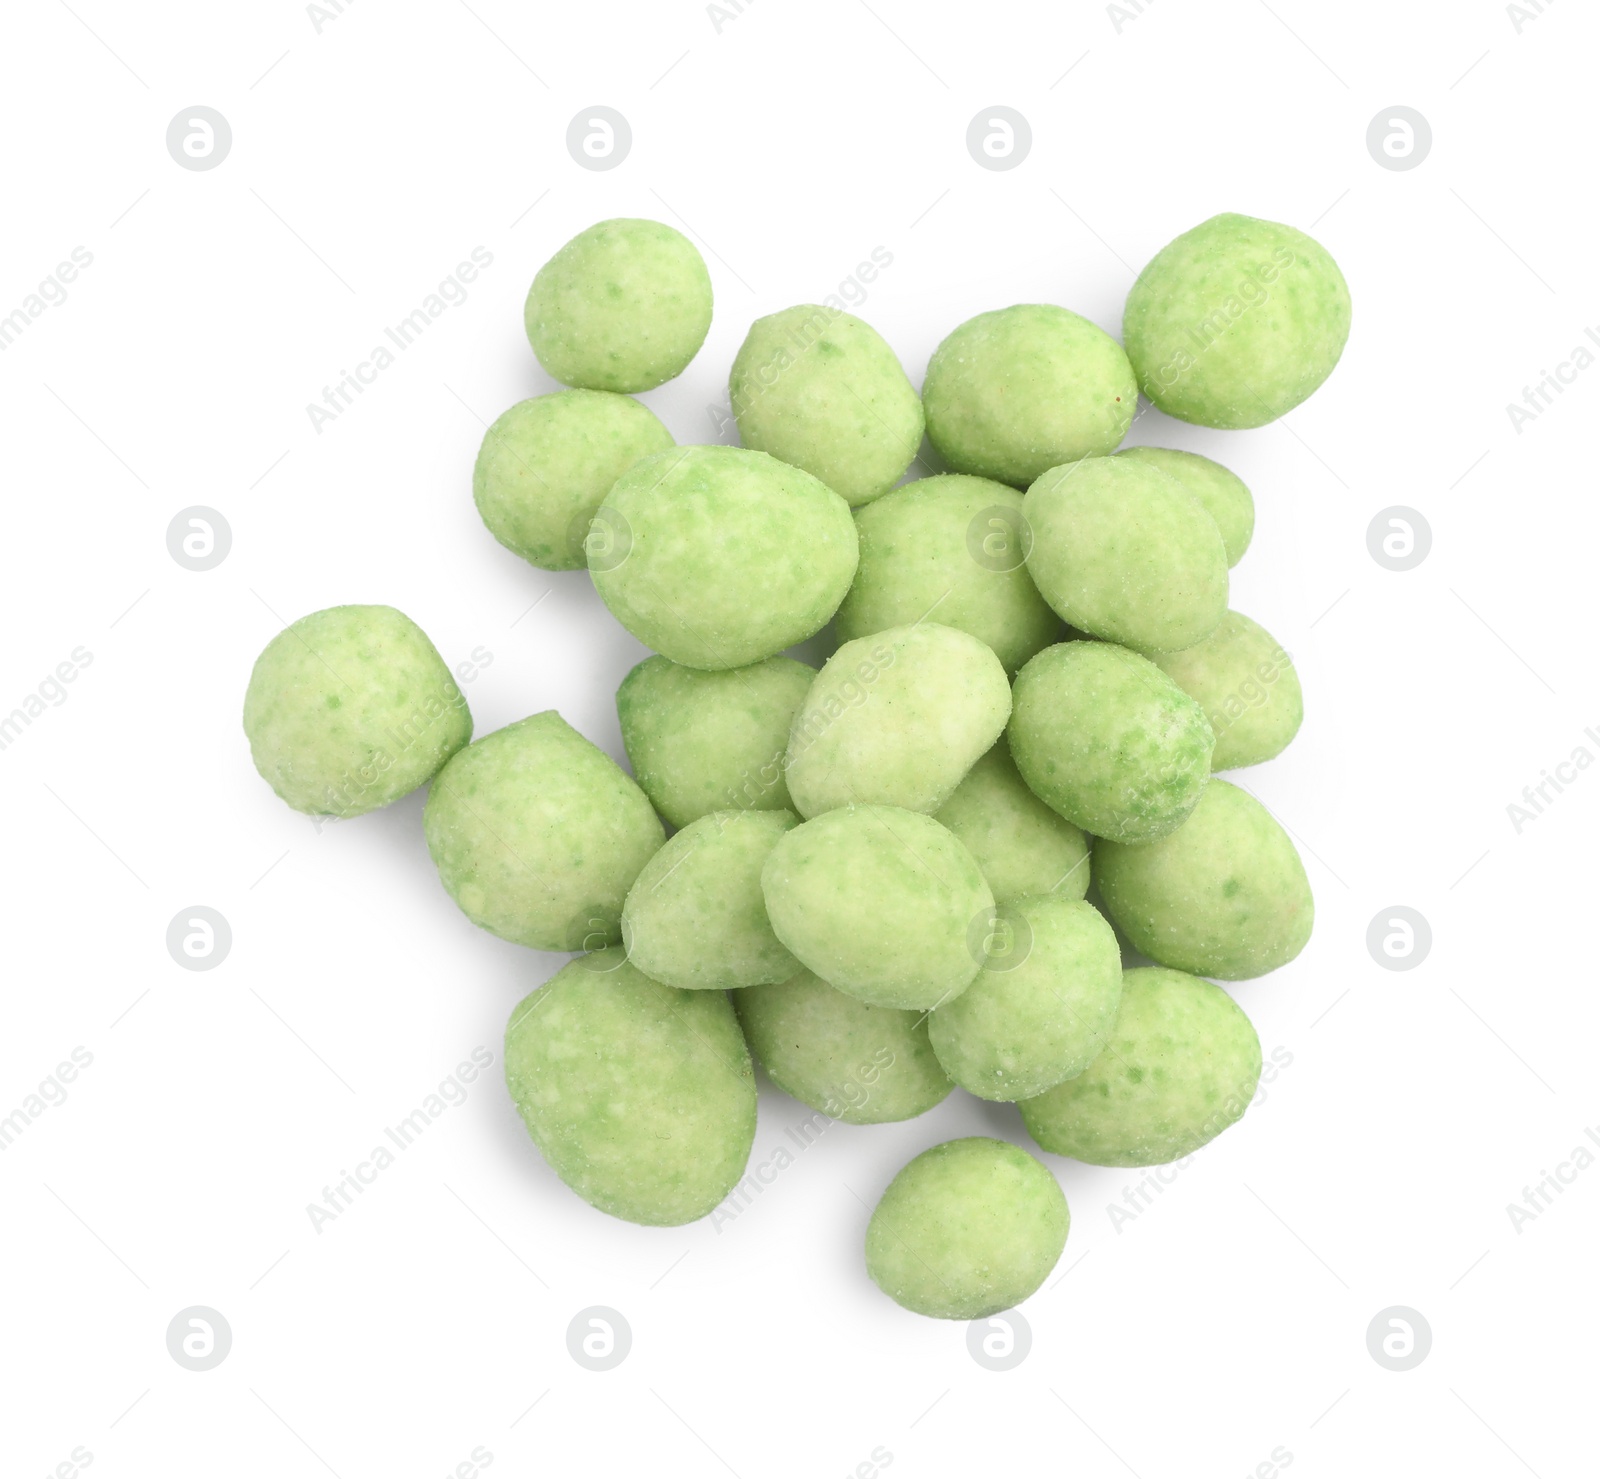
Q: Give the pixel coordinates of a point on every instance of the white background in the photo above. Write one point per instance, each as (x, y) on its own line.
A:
(368, 159)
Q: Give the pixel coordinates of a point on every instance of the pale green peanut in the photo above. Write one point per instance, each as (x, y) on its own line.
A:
(1225, 895)
(1181, 1066)
(882, 903)
(1110, 741)
(967, 1229)
(1241, 676)
(695, 918)
(718, 557)
(351, 708)
(1041, 1008)
(1123, 552)
(1221, 493)
(701, 742)
(1022, 845)
(1013, 392)
(538, 835)
(898, 719)
(623, 306)
(950, 549)
(1236, 322)
(821, 390)
(546, 464)
(861, 1064)
(642, 1098)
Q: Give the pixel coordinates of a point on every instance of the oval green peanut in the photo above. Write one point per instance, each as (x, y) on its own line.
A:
(1123, 552)
(1103, 736)
(881, 902)
(861, 1064)
(1041, 1011)
(718, 557)
(700, 742)
(352, 708)
(1225, 895)
(821, 390)
(547, 463)
(623, 306)
(1022, 845)
(642, 1098)
(1011, 393)
(952, 549)
(695, 918)
(896, 719)
(538, 835)
(1241, 676)
(967, 1229)
(1236, 322)
(1181, 1066)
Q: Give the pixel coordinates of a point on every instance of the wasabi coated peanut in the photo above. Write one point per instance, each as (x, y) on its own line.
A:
(821, 390)
(1225, 895)
(1011, 393)
(1241, 676)
(949, 549)
(967, 1229)
(538, 835)
(695, 917)
(546, 464)
(351, 708)
(623, 306)
(1122, 552)
(1022, 846)
(1181, 1066)
(857, 1063)
(880, 902)
(1221, 493)
(1110, 741)
(1041, 1012)
(897, 718)
(641, 1098)
(718, 557)
(1236, 322)
(701, 742)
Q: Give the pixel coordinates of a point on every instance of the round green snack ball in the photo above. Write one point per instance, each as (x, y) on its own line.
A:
(1122, 552)
(967, 1229)
(695, 917)
(1181, 1067)
(1236, 322)
(641, 1098)
(880, 902)
(1022, 846)
(898, 719)
(538, 835)
(1221, 493)
(952, 548)
(857, 1063)
(1011, 393)
(701, 742)
(1110, 741)
(351, 708)
(623, 306)
(718, 557)
(1225, 895)
(1038, 1013)
(1241, 676)
(821, 390)
(546, 464)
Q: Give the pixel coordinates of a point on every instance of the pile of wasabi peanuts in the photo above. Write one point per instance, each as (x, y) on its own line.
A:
(878, 880)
